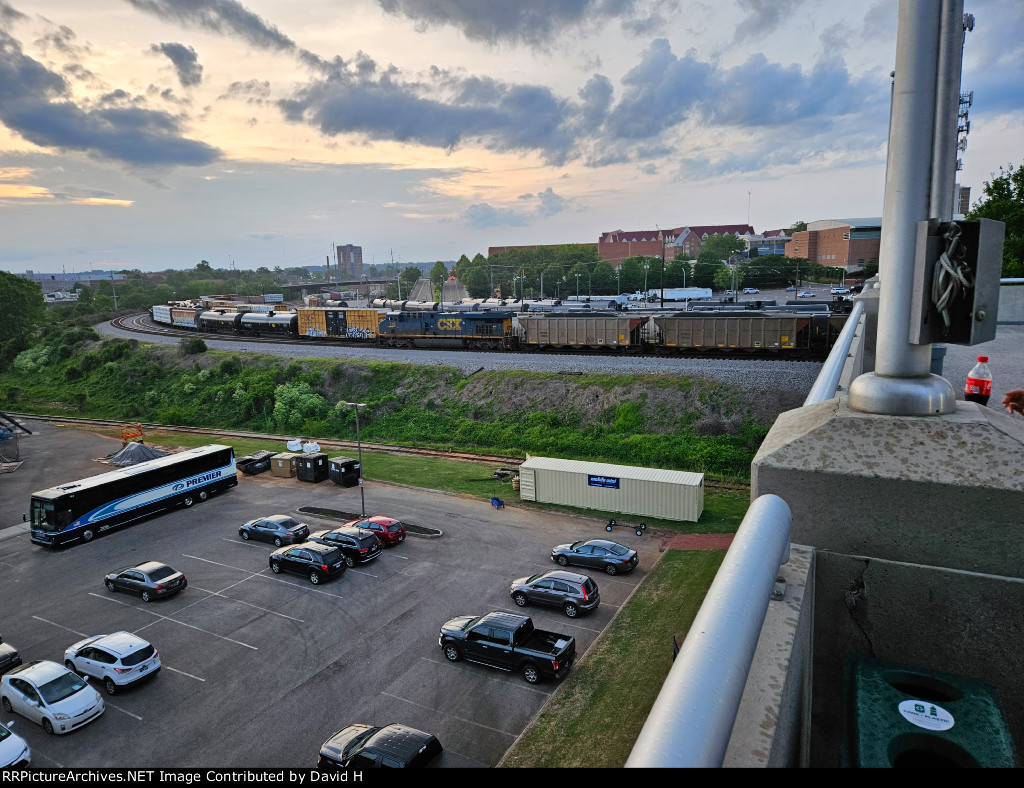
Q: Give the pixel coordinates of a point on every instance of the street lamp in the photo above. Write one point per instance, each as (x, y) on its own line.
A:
(359, 448)
(646, 267)
(541, 285)
(577, 287)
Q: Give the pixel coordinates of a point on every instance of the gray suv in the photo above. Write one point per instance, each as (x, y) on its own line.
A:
(573, 593)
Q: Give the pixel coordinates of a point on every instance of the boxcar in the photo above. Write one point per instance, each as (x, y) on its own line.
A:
(342, 323)
(185, 317)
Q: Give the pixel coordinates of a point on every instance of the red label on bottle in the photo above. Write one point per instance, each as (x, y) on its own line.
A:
(978, 386)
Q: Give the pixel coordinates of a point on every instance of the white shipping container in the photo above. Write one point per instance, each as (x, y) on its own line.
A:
(619, 489)
(273, 298)
(161, 313)
(261, 308)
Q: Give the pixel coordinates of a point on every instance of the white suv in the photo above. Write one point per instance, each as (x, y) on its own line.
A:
(840, 291)
(118, 660)
(47, 693)
(750, 291)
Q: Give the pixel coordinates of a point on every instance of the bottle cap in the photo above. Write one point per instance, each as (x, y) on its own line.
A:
(983, 359)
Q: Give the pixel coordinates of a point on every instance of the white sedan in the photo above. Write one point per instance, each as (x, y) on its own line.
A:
(14, 751)
(51, 695)
(805, 294)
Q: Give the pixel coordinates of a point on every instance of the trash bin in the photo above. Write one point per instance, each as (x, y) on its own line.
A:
(344, 471)
(312, 467)
(257, 462)
(284, 464)
(938, 356)
(900, 716)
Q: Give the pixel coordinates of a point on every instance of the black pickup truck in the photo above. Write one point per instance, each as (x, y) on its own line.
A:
(509, 642)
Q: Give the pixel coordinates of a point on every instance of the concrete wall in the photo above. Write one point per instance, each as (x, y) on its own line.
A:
(964, 623)
(1011, 304)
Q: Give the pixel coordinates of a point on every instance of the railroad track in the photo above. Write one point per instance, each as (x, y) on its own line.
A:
(141, 324)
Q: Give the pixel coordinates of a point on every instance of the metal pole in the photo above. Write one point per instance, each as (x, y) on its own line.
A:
(359, 449)
(947, 103)
(901, 384)
(541, 285)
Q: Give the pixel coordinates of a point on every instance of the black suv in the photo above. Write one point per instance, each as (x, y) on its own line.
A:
(315, 561)
(572, 592)
(390, 747)
(358, 544)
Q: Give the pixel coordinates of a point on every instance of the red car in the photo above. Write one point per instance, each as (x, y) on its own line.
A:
(389, 530)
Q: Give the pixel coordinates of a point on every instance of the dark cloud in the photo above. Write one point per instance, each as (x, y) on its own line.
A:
(531, 22)
(185, 61)
(9, 15)
(252, 91)
(481, 216)
(36, 103)
(764, 16)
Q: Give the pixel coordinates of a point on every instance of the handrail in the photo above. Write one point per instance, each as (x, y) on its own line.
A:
(827, 383)
(692, 719)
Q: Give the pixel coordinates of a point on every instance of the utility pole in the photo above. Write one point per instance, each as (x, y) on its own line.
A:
(113, 289)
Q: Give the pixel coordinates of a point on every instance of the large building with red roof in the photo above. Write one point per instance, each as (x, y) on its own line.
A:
(616, 245)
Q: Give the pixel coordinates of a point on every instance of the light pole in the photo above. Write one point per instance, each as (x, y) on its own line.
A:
(359, 449)
(646, 267)
(577, 287)
(541, 285)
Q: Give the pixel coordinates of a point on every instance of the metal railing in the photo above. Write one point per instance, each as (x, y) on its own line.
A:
(693, 717)
(827, 383)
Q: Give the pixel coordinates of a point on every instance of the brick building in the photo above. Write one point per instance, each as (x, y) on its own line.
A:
(617, 245)
(843, 243)
(350, 260)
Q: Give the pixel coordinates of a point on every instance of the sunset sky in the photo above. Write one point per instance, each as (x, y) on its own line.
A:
(154, 134)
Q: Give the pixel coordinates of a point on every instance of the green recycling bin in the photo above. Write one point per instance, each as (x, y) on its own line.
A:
(897, 716)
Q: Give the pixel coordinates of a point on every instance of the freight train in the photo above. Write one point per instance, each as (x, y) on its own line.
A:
(785, 334)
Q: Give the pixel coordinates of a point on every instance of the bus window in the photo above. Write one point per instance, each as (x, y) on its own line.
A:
(43, 516)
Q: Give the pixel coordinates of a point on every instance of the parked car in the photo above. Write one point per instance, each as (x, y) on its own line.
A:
(791, 289)
(730, 292)
(840, 291)
(9, 656)
(151, 580)
(358, 545)
(750, 291)
(508, 642)
(119, 659)
(277, 528)
(572, 592)
(612, 557)
(367, 747)
(389, 530)
(14, 751)
(50, 694)
(805, 294)
(315, 561)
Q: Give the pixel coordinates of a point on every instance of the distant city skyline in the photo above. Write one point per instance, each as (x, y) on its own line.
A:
(152, 134)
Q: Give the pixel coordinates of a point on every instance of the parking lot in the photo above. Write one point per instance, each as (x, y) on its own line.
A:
(259, 669)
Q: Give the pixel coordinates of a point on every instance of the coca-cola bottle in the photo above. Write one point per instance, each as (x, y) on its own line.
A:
(979, 382)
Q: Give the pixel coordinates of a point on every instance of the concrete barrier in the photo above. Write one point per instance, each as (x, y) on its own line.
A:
(1011, 304)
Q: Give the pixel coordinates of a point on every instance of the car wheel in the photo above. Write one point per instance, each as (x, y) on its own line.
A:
(275, 568)
(563, 561)
(109, 686)
(187, 501)
(70, 665)
(277, 541)
(203, 495)
(110, 585)
(145, 596)
(7, 706)
(610, 569)
(48, 726)
(314, 578)
(88, 534)
(350, 561)
(639, 532)
(244, 535)
(530, 673)
(520, 599)
(607, 528)
(451, 653)
(571, 610)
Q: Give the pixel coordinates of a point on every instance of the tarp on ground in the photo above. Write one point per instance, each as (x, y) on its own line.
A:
(132, 453)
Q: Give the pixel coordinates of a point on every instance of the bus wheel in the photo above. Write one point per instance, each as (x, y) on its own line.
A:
(202, 495)
(188, 501)
(87, 535)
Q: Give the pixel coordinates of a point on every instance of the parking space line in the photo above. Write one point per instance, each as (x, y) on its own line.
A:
(174, 621)
(37, 754)
(183, 673)
(246, 542)
(249, 604)
(375, 577)
(123, 711)
(260, 574)
(453, 716)
(524, 686)
(59, 626)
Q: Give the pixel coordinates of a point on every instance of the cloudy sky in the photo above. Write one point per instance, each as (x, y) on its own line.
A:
(157, 133)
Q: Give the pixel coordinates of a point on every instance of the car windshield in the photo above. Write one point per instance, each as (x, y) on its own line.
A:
(356, 743)
(43, 517)
(395, 527)
(4, 733)
(618, 549)
(62, 687)
(137, 657)
(159, 574)
(288, 522)
(331, 556)
(576, 545)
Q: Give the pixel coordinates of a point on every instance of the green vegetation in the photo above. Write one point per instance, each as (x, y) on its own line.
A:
(23, 308)
(607, 695)
(691, 424)
(1004, 202)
